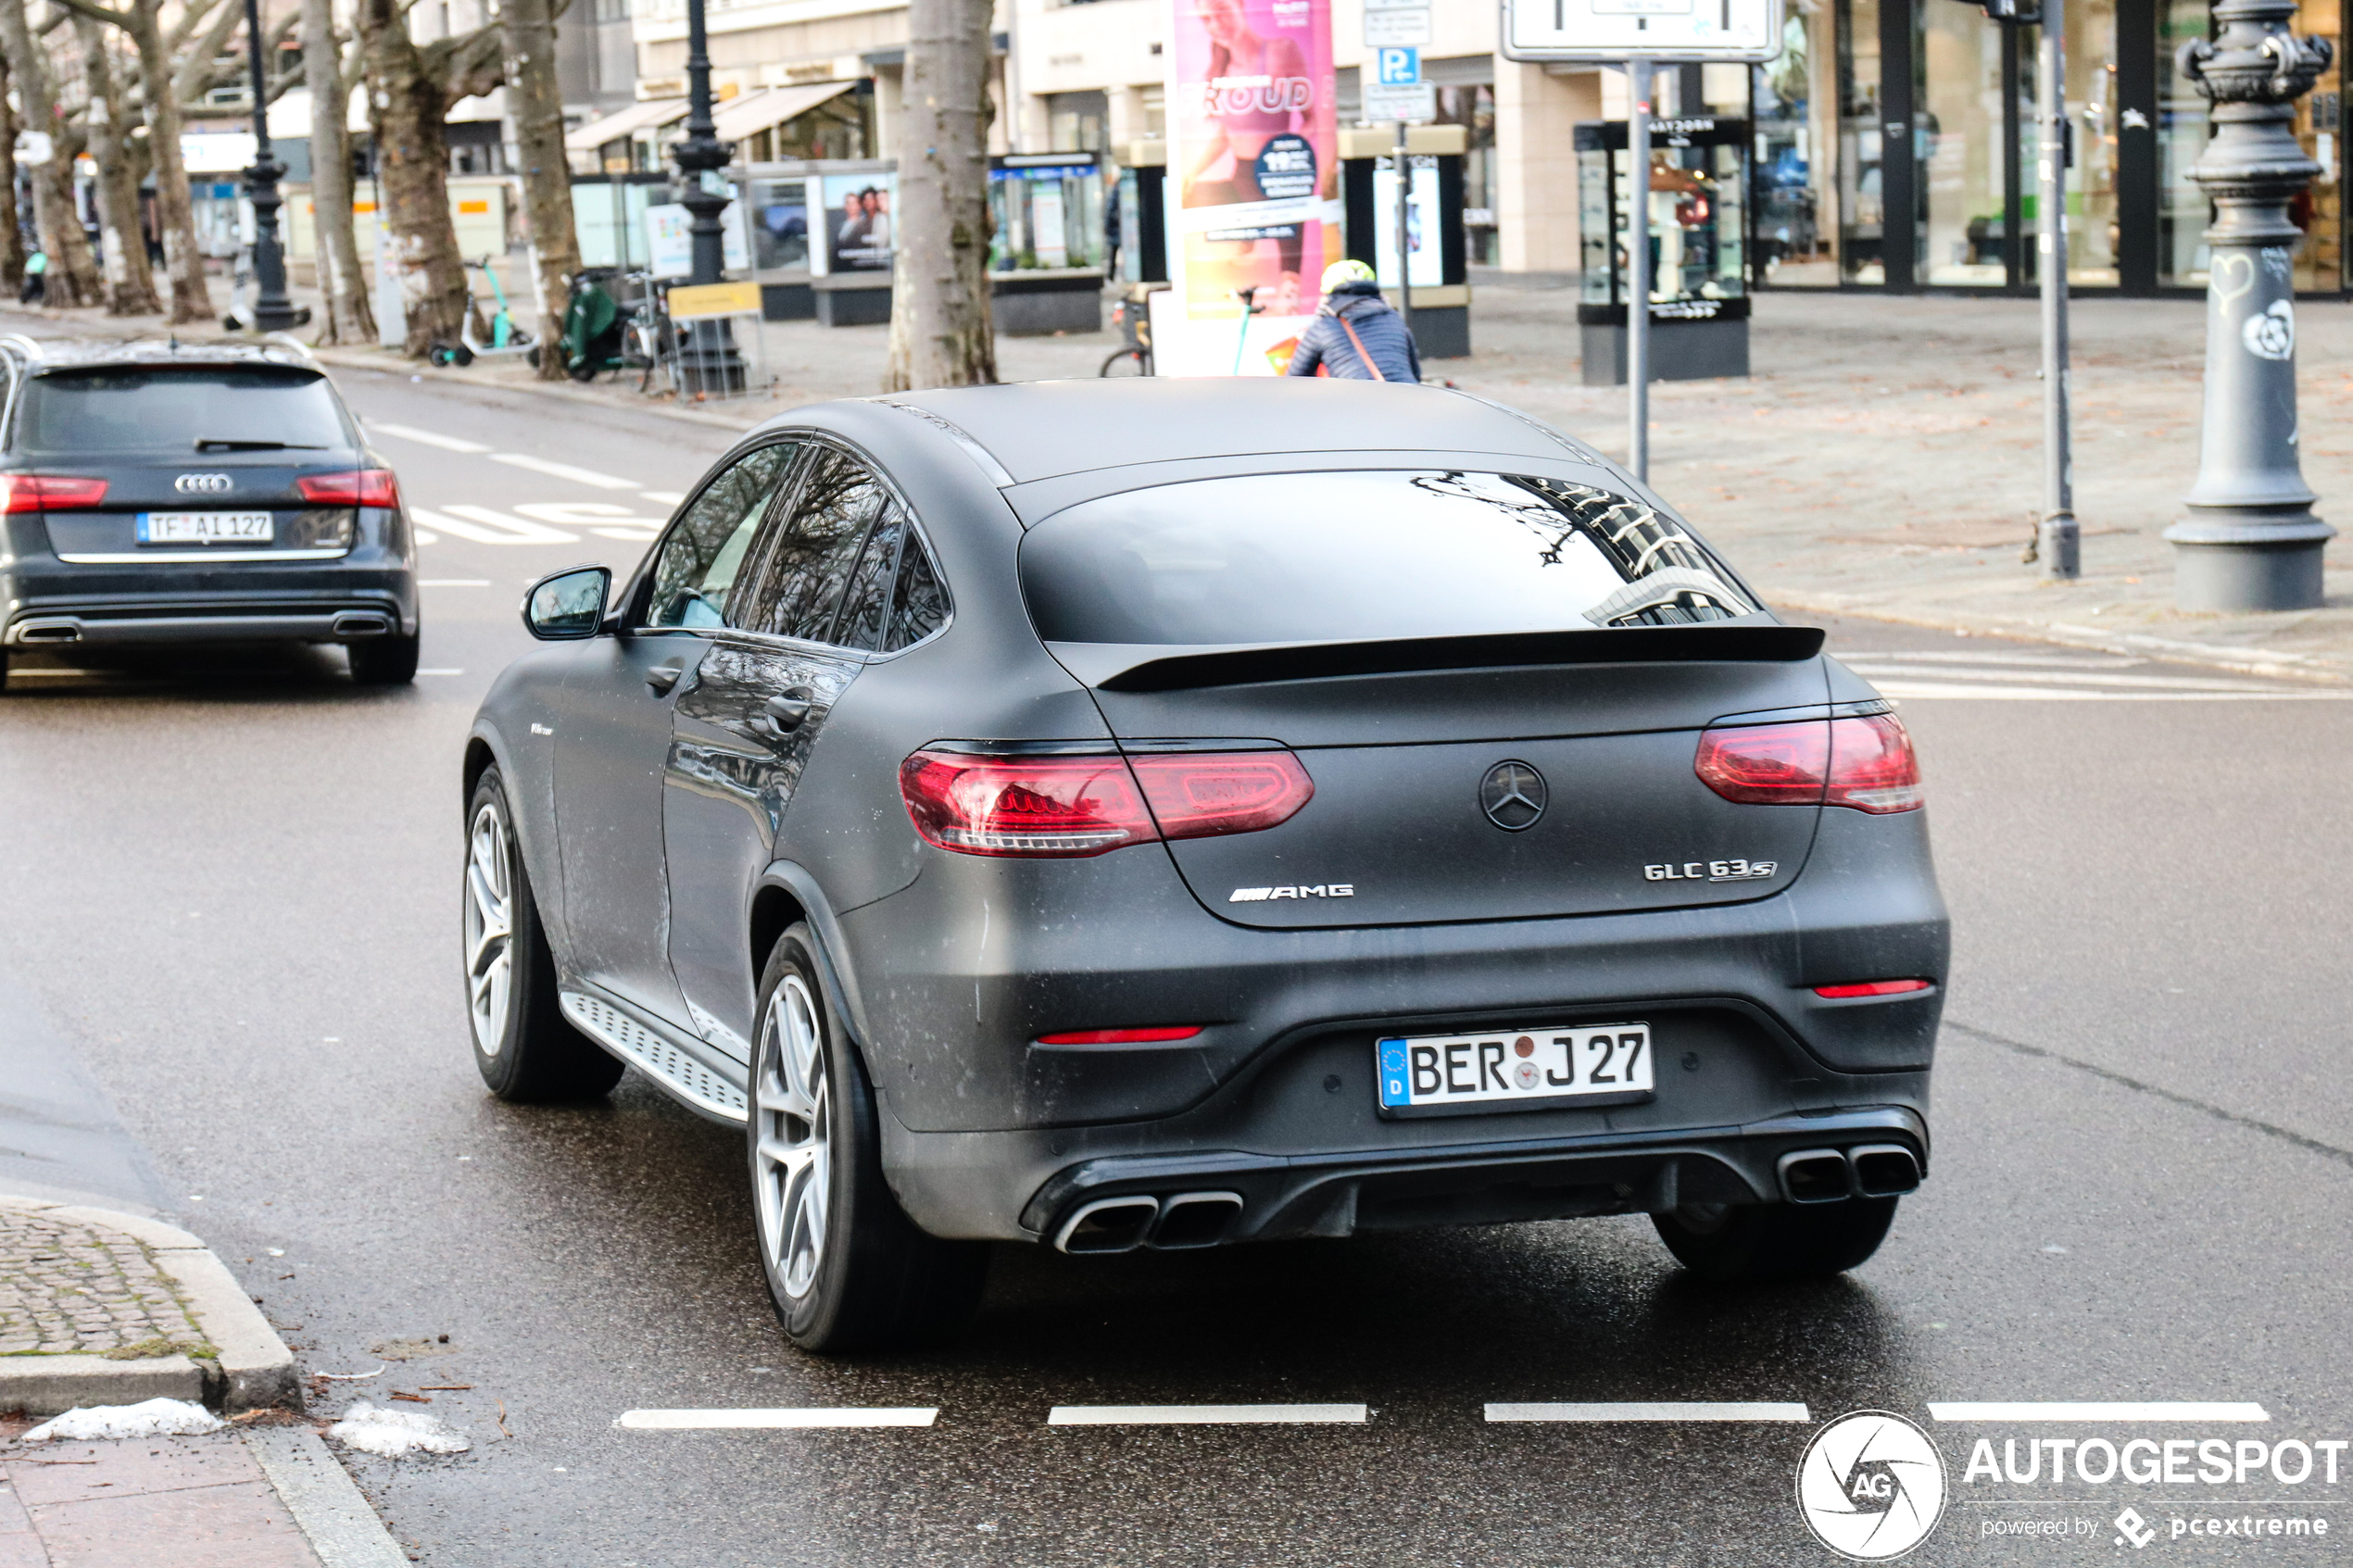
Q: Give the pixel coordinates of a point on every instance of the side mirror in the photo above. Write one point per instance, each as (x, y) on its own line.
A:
(568, 606)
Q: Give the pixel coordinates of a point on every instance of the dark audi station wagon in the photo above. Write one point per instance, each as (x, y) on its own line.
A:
(167, 493)
(1179, 813)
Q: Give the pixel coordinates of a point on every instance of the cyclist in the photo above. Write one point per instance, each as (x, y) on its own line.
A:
(1355, 335)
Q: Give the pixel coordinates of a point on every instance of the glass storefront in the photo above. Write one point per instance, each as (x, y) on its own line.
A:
(1896, 147)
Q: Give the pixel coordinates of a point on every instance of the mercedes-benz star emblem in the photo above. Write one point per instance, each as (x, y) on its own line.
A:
(1513, 795)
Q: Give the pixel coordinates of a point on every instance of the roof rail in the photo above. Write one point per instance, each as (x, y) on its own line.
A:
(287, 340)
(19, 344)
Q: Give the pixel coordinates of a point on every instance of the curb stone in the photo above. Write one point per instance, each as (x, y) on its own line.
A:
(326, 1503)
(254, 1369)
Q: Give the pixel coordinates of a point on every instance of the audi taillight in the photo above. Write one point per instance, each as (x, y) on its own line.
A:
(359, 488)
(1864, 763)
(49, 493)
(1075, 806)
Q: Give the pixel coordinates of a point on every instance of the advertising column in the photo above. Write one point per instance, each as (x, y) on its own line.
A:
(1253, 185)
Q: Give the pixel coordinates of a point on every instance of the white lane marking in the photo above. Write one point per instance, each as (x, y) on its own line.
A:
(453, 581)
(562, 471)
(1930, 690)
(2056, 660)
(2072, 678)
(426, 437)
(21, 674)
(1206, 1415)
(486, 527)
(730, 1420)
(600, 518)
(665, 497)
(440, 672)
(1650, 1411)
(2097, 1409)
(427, 536)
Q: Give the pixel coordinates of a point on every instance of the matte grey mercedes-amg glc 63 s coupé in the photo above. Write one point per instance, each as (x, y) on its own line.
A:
(1178, 813)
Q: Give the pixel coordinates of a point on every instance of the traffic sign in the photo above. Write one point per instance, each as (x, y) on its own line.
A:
(1397, 67)
(1401, 24)
(1651, 30)
(1415, 103)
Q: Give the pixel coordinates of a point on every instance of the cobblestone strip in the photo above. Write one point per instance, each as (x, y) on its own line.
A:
(69, 1288)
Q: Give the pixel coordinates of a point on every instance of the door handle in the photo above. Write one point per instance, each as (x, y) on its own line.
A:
(662, 677)
(782, 715)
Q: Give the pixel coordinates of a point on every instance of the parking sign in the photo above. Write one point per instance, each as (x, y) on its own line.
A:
(1399, 66)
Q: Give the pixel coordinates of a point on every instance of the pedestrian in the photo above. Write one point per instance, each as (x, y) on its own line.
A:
(1355, 335)
(36, 279)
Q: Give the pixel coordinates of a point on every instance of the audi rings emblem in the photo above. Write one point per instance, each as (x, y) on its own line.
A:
(1513, 795)
(204, 484)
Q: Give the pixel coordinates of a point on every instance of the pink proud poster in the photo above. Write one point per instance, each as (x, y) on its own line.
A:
(1254, 184)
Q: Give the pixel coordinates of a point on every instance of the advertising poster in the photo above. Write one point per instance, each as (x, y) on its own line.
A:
(670, 239)
(857, 221)
(1254, 184)
(1426, 268)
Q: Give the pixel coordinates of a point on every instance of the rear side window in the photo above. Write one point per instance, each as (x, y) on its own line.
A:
(805, 570)
(1364, 556)
(236, 408)
(919, 604)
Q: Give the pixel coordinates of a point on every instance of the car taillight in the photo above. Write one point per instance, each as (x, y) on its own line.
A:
(1203, 794)
(1863, 764)
(1871, 989)
(1073, 805)
(49, 493)
(1121, 1037)
(360, 487)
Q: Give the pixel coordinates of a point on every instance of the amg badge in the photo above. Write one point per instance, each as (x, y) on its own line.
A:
(1313, 890)
(1713, 871)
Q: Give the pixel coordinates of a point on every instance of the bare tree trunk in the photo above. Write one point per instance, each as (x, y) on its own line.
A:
(12, 234)
(530, 30)
(940, 331)
(130, 283)
(351, 315)
(175, 209)
(73, 271)
(409, 91)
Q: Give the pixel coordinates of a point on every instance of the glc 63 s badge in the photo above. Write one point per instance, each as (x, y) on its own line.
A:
(1713, 871)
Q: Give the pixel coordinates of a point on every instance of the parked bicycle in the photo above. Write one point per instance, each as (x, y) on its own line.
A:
(649, 341)
(1132, 316)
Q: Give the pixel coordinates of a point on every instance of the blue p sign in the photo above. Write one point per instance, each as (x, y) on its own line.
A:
(1400, 67)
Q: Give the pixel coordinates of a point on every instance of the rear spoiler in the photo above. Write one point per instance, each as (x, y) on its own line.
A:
(1132, 667)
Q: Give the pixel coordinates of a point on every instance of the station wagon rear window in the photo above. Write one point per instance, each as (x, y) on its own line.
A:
(1363, 556)
(84, 413)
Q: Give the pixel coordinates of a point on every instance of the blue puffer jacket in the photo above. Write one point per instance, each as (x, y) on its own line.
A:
(1383, 331)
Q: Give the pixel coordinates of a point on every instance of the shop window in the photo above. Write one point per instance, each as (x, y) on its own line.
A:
(1862, 204)
(2320, 260)
(2091, 227)
(1473, 107)
(1957, 148)
(1075, 122)
(1796, 137)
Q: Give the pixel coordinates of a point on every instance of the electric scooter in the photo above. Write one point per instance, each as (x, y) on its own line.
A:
(506, 340)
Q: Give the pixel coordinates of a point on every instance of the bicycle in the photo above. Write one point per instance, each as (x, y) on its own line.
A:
(649, 339)
(1132, 315)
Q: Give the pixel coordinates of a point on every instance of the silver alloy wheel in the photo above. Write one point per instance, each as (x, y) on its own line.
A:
(792, 1167)
(490, 927)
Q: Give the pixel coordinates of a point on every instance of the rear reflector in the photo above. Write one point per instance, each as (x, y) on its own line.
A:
(1120, 1036)
(1077, 806)
(1871, 988)
(1865, 764)
(360, 487)
(49, 493)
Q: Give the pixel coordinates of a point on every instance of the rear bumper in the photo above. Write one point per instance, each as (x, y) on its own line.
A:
(349, 623)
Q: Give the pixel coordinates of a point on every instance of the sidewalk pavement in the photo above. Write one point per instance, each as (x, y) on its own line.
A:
(102, 1308)
(1883, 461)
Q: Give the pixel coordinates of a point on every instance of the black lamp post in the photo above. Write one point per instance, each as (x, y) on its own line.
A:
(272, 312)
(2250, 541)
(707, 358)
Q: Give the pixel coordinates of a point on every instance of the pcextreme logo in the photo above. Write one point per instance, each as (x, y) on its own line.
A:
(1870, 1486)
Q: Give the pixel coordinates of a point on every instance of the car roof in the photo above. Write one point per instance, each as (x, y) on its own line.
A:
(1040, 429)
(44, 354)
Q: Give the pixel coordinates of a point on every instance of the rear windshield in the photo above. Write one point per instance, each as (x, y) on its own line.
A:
(1364, 556)
(84, 413)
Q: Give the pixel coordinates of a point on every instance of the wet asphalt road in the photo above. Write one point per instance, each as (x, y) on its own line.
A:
(233, 889)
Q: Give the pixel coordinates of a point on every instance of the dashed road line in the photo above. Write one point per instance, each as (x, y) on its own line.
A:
(1947, 675)
(440, 672)
(665, 498)
(485, 526)
(425, 437)
(453, 581)
(1207, 1415)
(1650, 1410)
(562, 471)
(2103, 1411)
(836, 1417)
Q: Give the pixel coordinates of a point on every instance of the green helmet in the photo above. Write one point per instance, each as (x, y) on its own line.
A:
(1340, 275)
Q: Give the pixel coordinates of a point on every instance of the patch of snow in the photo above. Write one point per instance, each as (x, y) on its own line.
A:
(154, 1418)
(395, 1433)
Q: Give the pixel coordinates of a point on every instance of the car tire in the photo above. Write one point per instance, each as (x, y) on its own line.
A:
(526, 1049)
(383, 661)
(847, 1270)
(1753, 1243)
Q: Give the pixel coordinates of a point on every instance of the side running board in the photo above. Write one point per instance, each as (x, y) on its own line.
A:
(684, 1077)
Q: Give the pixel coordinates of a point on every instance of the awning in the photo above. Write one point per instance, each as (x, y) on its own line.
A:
(624, 123)
(771, 107)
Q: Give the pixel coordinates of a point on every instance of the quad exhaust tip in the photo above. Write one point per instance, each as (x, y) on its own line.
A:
(1827, 1175)
(1121, 1224)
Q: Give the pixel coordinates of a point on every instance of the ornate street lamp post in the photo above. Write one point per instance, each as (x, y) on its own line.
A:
(707, 357)
(272, 312)
(2250, 541)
